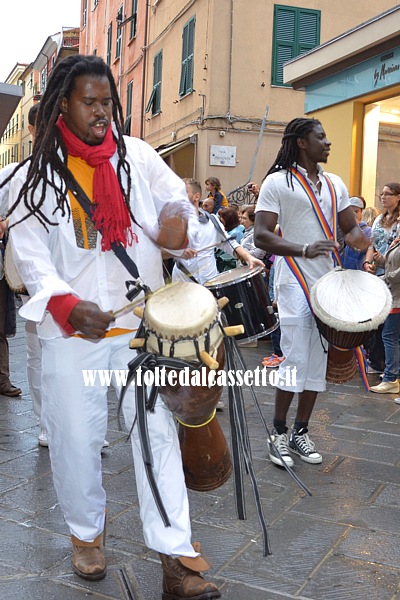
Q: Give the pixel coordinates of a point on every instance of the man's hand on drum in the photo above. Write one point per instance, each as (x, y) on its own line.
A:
(321, 248)
(87, 318)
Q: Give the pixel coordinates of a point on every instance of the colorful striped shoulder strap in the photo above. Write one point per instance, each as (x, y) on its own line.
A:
(330, 233)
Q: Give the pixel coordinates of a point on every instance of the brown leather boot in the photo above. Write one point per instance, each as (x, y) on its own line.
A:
(182, 580)
(88, 558)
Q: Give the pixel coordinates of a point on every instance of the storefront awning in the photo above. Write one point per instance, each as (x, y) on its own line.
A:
(165, 151)
(10, 95)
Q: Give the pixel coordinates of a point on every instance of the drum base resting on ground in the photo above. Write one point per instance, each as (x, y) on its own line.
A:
(182, 320)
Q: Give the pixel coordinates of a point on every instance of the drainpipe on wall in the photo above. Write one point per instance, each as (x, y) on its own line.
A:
(144, 71)
(230, 65)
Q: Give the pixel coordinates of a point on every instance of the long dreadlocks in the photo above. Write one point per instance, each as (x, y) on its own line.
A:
(288, 153)
(49, 148)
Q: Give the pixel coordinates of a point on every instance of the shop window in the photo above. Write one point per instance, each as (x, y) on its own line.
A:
(186, 83)
(296, 30)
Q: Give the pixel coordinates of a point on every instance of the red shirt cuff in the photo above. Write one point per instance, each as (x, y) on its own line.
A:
(60, 308)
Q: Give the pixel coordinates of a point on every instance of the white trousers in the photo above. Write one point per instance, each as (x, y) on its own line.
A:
(75, 417)
(300, 342)
(34, 366)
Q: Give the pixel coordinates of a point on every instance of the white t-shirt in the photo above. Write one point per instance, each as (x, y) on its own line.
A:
(298, 221)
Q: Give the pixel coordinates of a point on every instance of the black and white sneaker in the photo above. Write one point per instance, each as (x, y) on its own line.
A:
(279, 450)
(301, 444)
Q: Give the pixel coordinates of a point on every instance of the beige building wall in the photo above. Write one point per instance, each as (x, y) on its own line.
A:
(128, 67)
(232, 82)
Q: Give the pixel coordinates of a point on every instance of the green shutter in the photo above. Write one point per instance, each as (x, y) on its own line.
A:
(186, 81)
(309, 28)
(157, 83)
(296, 31)
(154, 102)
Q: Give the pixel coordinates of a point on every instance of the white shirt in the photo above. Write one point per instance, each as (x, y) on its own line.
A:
(50, 263)
(297, 219)
(203, 267)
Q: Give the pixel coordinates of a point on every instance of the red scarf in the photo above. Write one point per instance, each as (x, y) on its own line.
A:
(111, 216)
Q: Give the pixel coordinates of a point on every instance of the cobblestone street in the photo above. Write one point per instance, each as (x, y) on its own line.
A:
(343, 543)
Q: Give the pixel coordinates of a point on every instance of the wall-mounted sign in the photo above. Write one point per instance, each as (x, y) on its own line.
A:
(223, 156)
(375, 73)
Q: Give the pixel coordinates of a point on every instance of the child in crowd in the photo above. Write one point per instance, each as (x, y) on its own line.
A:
(213, 187)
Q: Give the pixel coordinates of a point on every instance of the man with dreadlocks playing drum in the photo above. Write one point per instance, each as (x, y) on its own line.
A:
(75, 282)
(294, 185)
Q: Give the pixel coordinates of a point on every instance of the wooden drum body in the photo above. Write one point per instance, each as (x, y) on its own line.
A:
(182, 320)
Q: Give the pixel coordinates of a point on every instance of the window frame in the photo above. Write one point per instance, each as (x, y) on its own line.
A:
(154, 102)
(109, 44)
(118, 35)
(129, 102)
(133, 27)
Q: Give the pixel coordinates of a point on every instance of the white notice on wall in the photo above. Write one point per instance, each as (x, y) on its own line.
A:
(223, 156)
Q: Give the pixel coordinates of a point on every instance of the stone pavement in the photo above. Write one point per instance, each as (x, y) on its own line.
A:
(343, 543)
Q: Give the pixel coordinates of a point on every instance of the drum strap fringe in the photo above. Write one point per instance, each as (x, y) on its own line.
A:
(241, 450)
(145, 401)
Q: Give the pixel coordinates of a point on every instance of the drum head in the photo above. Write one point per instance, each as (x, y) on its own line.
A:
(349, 300)
(232, 277)
(182, 310)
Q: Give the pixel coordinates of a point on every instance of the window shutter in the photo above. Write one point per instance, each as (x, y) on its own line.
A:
(309, 28)
(296, 31)
(186, 82)
(157, 82)
(150, 102)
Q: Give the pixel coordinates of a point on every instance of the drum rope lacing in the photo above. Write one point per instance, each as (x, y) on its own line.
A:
(240, 440)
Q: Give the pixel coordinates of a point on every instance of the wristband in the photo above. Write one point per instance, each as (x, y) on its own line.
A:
(304, 251)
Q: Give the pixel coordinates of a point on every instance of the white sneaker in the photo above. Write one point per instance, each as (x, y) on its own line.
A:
(105, 444)
(397, 400)
(42, 438)
(386, 387)
(279, 450)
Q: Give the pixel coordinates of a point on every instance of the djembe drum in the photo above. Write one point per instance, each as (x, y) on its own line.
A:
(11, 274)
(182, 320)
(348, 305)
